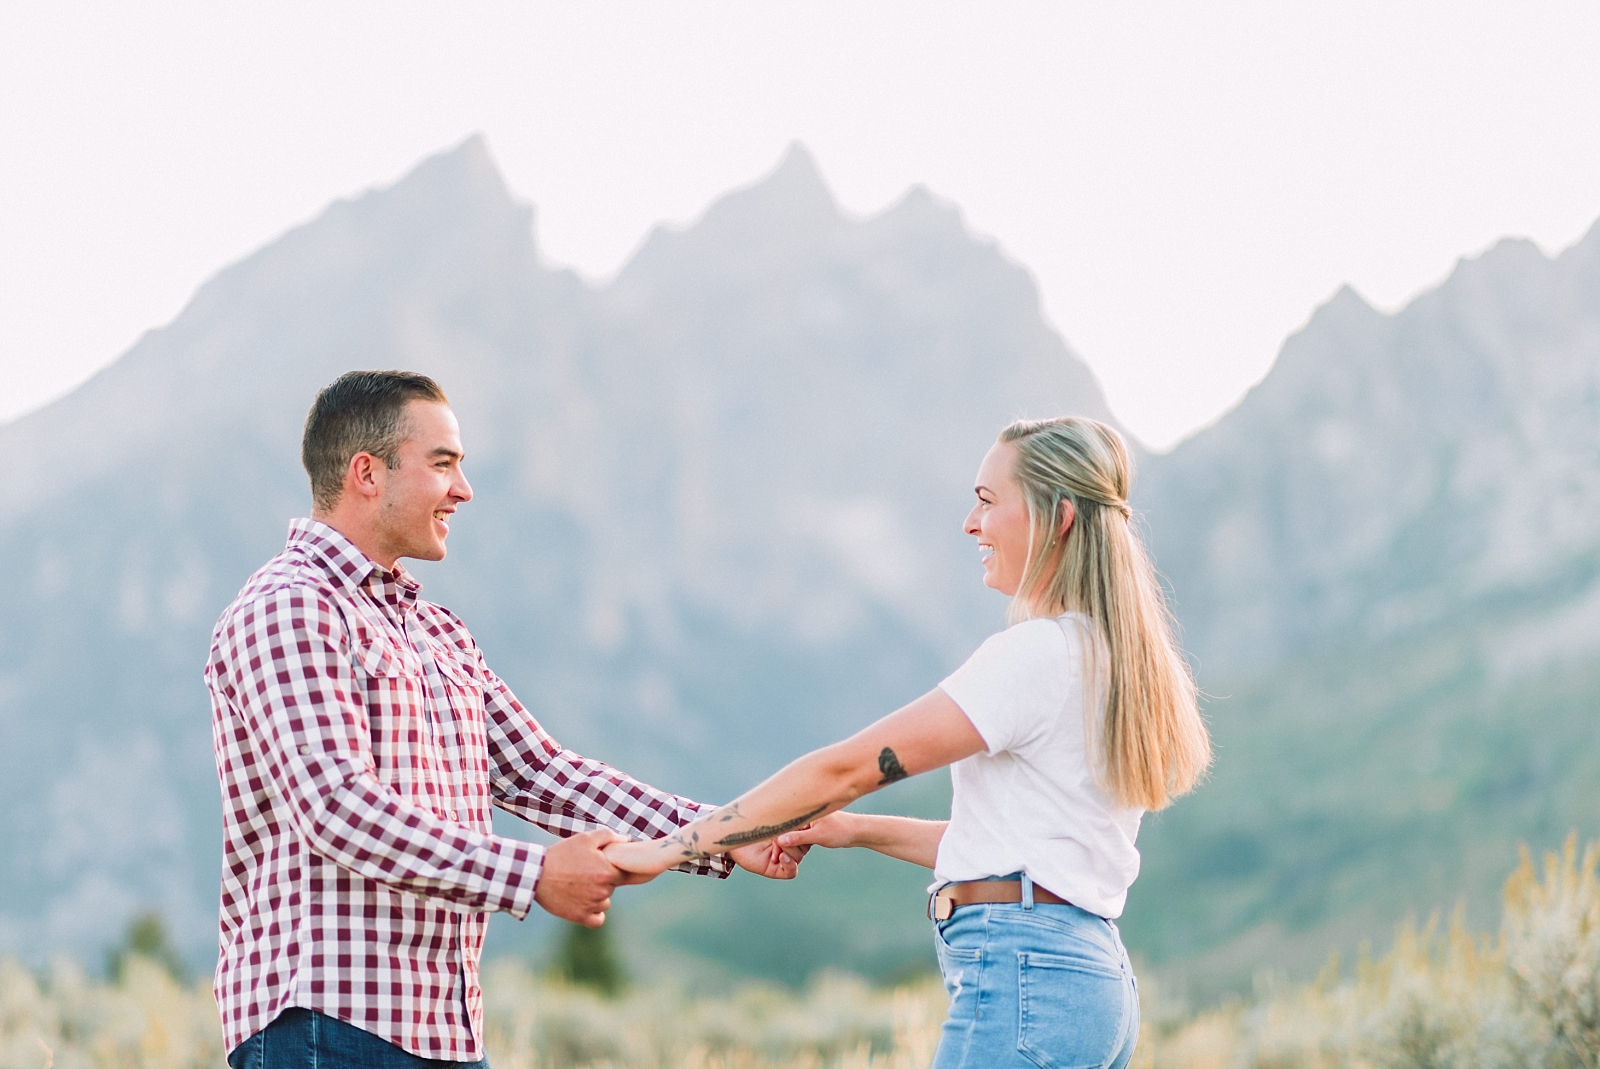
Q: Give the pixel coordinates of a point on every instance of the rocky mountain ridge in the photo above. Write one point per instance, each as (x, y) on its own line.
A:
(1393, 470)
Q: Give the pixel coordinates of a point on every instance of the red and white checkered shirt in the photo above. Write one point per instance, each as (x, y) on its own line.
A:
(360, 741)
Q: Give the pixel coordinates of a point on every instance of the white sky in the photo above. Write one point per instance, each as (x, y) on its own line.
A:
(1186, 180)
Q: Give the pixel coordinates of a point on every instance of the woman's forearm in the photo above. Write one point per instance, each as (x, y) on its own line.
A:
(929, 733)
(905, 838)
(804, 790)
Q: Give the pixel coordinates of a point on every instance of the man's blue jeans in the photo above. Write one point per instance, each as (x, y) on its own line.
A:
(1035, 986)
(305, 1039)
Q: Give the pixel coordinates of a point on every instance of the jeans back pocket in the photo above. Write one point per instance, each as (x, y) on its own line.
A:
(1073, 1012)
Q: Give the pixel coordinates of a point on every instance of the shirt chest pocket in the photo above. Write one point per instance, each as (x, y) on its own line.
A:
(464, 732)
(394, 691)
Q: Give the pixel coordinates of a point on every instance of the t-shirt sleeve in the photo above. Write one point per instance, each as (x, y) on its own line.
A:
(1013, 688)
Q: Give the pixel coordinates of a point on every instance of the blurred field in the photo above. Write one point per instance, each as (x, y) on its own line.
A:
(149, 1021)
(1441, 999)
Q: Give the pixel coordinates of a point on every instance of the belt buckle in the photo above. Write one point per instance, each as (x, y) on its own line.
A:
(941, 907)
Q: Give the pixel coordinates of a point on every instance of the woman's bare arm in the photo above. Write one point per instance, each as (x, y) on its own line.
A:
(905, 838)
(929, 733)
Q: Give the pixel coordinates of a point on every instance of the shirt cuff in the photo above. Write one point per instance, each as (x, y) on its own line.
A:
(529, 861)
(718, 865)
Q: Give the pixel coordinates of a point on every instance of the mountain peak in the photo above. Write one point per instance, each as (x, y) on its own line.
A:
(797, 174)
(461, 183)
(788, 209)
(793, 195)
(1348, 295)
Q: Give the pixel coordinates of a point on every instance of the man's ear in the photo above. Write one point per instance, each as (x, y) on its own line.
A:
(365, 476)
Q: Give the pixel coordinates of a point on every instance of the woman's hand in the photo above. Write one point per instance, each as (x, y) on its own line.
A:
(834, 831)
(649, 858)
(906, 838)
(769, 860)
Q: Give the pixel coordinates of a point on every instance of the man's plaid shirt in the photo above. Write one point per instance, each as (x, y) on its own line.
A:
(360, 741)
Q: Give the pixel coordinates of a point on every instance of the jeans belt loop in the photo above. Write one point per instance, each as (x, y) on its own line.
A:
(1027, 893)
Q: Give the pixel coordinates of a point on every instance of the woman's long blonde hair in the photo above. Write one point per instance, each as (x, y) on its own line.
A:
(1153, 743)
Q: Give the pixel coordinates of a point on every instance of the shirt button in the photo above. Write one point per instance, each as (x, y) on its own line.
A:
(305, 751)
(452, 814)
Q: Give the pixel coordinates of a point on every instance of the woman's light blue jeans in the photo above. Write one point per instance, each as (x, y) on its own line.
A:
(1035, 986)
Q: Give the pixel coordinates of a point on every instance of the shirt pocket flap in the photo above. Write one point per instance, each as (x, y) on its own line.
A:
(454, 669)
(377, 658)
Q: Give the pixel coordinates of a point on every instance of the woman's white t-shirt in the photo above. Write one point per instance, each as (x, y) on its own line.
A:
(1030, 802)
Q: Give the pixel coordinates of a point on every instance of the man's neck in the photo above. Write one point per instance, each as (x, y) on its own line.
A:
(360, 535)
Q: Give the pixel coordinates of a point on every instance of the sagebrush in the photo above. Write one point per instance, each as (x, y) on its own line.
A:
(1443, 998)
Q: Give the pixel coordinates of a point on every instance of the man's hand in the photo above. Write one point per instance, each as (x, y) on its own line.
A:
(769, 859)
(577, 880)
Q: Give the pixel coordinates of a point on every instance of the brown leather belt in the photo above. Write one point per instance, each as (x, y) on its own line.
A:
(975, 892)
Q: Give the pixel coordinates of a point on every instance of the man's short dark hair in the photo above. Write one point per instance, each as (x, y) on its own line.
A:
(360, 412)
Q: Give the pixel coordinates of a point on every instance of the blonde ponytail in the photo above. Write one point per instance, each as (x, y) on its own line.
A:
(1153, 744)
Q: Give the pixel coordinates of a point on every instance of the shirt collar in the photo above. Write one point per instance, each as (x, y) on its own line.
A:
(352, 569)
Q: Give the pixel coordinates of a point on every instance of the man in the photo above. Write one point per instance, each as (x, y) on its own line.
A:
(361, 739)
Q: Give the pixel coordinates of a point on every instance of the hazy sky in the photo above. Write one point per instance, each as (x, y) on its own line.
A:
(1186, 180)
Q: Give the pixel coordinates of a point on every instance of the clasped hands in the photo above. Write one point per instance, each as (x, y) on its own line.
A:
(580, 872)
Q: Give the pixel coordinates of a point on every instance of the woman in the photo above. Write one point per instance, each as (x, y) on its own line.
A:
(1062, 730)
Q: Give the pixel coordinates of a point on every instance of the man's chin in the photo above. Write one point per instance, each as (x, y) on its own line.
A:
(435, 551)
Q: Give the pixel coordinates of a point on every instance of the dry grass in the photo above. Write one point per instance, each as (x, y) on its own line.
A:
(838, 1021)
(1528, 998)
(1443, 998)
(67, 1020)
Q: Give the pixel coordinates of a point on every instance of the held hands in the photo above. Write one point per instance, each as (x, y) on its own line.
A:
(577, 879)
(647, 860)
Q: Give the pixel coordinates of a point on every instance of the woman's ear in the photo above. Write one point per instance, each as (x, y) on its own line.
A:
(1068, 514)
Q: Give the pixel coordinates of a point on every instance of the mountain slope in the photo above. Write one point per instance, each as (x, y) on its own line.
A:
(1392, 470)
(1386, 563)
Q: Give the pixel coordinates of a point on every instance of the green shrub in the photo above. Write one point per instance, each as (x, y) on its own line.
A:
(147, 938)
(587, 958)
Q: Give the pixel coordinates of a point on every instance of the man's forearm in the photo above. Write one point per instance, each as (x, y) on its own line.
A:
(364, 827)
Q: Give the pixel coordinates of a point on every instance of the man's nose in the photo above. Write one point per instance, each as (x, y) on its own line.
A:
(462, 490)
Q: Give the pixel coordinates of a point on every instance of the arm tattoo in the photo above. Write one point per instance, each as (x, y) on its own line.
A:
(757, 834)
(891, 768)
(688, 842)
